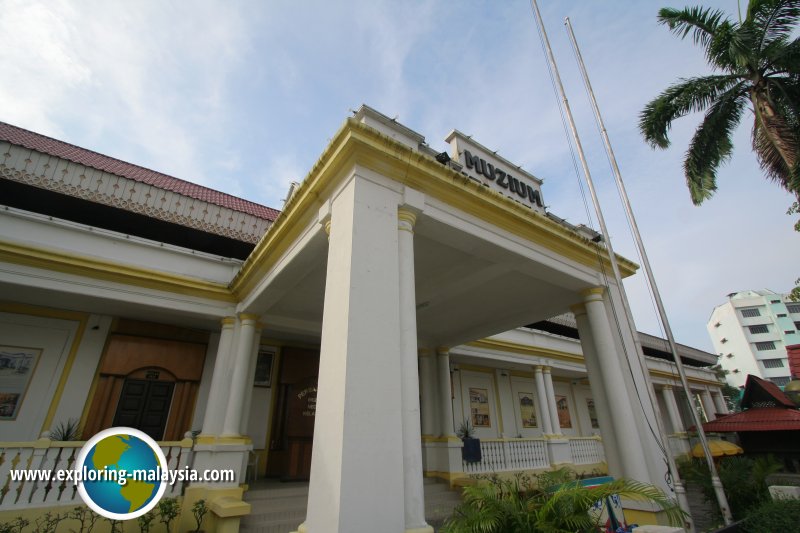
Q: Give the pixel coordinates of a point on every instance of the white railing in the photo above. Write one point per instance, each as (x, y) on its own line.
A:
(502, 455)
(52, 456)
(586, 450)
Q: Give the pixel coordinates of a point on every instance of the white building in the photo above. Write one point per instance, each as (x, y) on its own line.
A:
(342, 340)
(750, 333)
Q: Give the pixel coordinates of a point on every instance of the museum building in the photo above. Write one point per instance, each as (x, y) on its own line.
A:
(400, 294)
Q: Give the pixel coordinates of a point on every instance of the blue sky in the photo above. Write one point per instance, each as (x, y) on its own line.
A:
(243, 96)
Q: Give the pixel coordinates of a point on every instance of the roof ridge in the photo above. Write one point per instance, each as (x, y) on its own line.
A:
(91, 158)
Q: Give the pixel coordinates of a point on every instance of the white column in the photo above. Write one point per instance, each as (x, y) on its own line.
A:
(599, 392)
(551, 400)
(409, 373)
(251, 376)
(719, 402)
(544, 405)
(708, 405)
(427, 377)
(357, 459)
(445, 393)
(631, 455)
(220, 380)
(241, 368)
(668, 393)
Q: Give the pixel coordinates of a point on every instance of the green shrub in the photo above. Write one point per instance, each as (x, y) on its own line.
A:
(778, 516)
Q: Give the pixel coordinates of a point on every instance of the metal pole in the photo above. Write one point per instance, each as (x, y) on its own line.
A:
(587, 173)
(720, 493)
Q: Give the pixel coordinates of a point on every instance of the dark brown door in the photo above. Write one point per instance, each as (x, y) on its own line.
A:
(144, 405)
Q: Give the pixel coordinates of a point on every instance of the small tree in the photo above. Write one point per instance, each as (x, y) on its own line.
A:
(199, 511)
(15, 526)
(85, 516)
(168, 510)
(145, 520)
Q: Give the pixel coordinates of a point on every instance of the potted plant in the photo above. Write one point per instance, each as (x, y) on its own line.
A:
(471, 451)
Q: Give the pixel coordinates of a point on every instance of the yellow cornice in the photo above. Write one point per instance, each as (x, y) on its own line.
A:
(358, 144)
(115, 272)
(672, 376)
(524, 349)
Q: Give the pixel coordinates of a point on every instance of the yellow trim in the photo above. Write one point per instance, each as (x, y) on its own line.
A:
(522, 374)
(358, 144)
(663, 374)
(46, 312)
(474, 368)
(498, 408)
(524, 349)
(431, 438)
(115, 272)
(592, 291)
(217, 439)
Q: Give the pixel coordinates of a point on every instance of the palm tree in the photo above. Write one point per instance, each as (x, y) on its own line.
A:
(756, 65)
(520, 505)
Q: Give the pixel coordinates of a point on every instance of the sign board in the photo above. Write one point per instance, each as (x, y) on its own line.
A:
(495, 172)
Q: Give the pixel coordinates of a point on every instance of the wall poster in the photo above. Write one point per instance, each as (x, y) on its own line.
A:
(564, 420)
(263, 374)
(527, 410)
(479, 407)
(16, 368)
(592, 413)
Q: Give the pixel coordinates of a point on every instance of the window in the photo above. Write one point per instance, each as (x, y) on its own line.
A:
(789, 332)
(774, 301)
(749, 312)
(768, 345)
(781, 315)
(793, 308)
(797, 325)
(780, 382)
(761, 328)
(772, 363)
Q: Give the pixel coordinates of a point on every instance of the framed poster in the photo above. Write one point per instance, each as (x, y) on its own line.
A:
(479, 407)
(564, 419)
(17, 365)
(527, 410)
(263, 374)
(592, 413)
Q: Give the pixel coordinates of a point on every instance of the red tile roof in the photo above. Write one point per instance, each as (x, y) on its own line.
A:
(757, 419)
(82, 156)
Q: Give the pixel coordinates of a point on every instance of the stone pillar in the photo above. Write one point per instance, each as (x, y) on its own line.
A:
(668, 393)
(544, 404)
(599, 392)
(708, 405)
(220, 380)
(445, 393)
(427, 378)
(719, 402)
(551, 400)
(251, 376)
(241, 368)
(409, 373)
(357, 472)
(631, 455)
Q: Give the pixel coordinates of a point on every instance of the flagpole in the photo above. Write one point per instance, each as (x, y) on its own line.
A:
(720, 493)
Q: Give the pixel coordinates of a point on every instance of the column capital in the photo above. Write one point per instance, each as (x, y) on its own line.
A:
(538, 369)
(545, 369)
(593, 293)
(249, 317)
(442, 350)
(406, 219)
(327, 226)
(424, 352)
(228, 321)
(578, 309)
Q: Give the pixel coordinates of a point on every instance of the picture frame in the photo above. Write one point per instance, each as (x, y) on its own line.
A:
(264, 362)
(17, 366)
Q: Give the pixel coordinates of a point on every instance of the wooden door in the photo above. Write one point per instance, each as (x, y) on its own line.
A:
(144, 405)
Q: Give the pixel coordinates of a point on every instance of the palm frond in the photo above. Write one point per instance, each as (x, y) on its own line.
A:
(693, 94)
(701, 23)
(771, 161)
(772, 19)
(712, 144)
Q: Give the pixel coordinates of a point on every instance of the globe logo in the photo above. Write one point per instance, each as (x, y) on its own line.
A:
(121, 473)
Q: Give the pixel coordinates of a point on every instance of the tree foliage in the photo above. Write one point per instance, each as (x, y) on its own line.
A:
(756, 65)
(553, 503)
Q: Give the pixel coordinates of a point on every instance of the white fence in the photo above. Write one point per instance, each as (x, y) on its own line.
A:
(52, 456)
(586, 450)
(500, 455)
(504, 455)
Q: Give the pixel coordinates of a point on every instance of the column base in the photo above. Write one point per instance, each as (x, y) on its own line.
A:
(426, 529)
